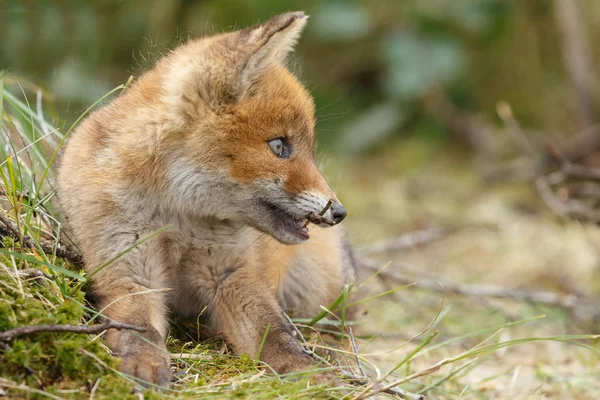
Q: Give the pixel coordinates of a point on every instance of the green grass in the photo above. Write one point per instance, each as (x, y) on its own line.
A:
(446, 357)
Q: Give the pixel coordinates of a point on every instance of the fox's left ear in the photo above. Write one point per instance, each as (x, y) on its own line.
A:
(263, 45)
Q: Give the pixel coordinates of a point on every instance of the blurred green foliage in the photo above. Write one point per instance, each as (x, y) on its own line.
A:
(371, 65)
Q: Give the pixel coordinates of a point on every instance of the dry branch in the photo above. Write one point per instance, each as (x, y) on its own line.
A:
(89, 329)
(47, 248)
(579, 171)
(191, 356)
(565, 208)
(578, 146)
(403, 242)
(33, 273)
(583, 190)
(544, 182)
(567, 301)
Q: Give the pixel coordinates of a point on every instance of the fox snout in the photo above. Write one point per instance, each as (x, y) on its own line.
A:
(286, 217)
(319, 210)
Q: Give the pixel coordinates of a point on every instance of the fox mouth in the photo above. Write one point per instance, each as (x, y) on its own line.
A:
(286, 221)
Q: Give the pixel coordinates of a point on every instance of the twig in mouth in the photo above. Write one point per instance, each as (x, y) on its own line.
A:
(327, 206)
(90, 329)
(318, 218)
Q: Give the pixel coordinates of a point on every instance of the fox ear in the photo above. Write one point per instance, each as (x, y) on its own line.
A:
(210, 72)
(266, 44)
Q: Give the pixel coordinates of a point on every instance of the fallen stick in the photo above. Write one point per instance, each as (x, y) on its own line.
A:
(402, 242)
(576, 147)
(90, 329)
(565, 208)
(191, 356)
(396, 391)
(49, 249)
(579, 171)
(567, 301)
(30, 273)
(371, 391)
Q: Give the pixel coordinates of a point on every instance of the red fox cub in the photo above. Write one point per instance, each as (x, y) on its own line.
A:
(217, 141)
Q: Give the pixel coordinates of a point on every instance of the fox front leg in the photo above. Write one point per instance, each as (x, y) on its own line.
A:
(144, 355)
(244, 311)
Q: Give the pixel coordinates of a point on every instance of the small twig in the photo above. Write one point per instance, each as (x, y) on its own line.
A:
(297, 332)
(404, 394)
(583, 190)
(579, 171)
(385, 388)
(191, 356)
(26, 241)
(355, 350)
(319, 218)
(403, 242)
(94, 388)
(302, 339)
(568, 208)
(89, 329)
(580, 145)
(392, 390)
(327, 206)
(33, 273)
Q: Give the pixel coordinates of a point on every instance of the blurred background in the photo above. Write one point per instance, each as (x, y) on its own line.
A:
(433, 116)
(404, 68)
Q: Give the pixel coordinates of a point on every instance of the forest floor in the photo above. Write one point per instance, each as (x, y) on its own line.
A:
(499, 234)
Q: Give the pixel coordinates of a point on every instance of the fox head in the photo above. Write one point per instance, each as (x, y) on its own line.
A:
(244, 147)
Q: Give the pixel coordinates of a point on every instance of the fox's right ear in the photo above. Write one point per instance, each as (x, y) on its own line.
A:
(260, 46)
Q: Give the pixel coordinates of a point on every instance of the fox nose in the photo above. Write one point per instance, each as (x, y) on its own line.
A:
(338, 212)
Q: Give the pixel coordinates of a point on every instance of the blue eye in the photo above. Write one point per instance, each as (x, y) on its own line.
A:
(279, 147)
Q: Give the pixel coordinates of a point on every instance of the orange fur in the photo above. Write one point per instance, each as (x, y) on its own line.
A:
(188, 145)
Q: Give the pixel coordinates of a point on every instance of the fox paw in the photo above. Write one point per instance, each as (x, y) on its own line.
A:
(150, 367)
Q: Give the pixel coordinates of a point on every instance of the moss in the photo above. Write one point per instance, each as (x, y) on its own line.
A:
(57, 363)
(53, 361)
